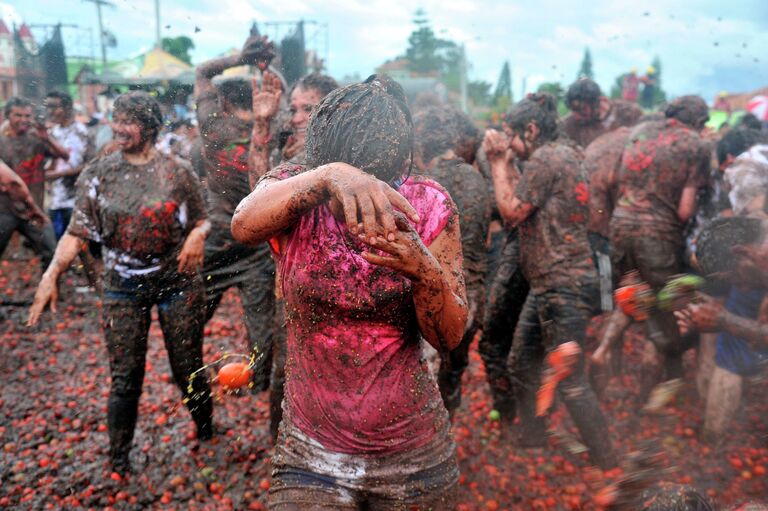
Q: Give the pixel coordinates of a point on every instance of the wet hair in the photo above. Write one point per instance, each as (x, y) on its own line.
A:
(435, 132)
(715, 242)
(16, 102)
(737, 141)
(676, 498)
(237, 92)
(469, 137)
(319, 82)
(750, 121)
(367, 125)
(142, 108)
(540, 109)
(690, 110)
(583, 90)
(66, 99)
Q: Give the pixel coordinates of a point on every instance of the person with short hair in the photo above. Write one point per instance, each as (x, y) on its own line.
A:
(147, 212)
(593, 114)
(25, 148)
(73, 136)
(548, 202)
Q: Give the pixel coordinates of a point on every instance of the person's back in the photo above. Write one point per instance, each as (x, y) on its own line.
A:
(602, 160)
(554, 246)
(661, 159)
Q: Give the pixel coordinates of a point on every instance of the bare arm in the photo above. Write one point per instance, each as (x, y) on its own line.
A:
(751, 330)
(439, 293)
(505, 178)
(266, 101)
(47, 291)
(687, 206)
(276, 205)
(12, 185)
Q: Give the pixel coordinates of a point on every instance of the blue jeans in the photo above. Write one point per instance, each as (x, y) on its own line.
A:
(60, 219)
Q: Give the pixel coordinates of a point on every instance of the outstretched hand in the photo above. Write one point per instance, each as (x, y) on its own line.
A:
(257, 51)
(47, 293)
(369, 204)
(266, 98)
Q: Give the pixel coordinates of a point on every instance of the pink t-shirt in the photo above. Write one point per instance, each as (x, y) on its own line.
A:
(355, 380)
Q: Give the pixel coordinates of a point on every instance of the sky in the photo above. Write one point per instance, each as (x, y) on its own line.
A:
(705, 46)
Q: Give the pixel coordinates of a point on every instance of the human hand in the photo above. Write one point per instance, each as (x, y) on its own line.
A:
(258, 51)
(266, 99)
(496, 146)
(369, 204)
(703, 316)
(191, 256)
(294, 146)
(404, 252)
(47, 292)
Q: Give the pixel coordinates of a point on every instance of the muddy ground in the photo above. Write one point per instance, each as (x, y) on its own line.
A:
(54, 442)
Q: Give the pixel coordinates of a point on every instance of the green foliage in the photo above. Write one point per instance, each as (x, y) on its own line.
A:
(504, 85)
(618, 87)
(586, 71)
(479, 92)
(426, 52)
(178, 47)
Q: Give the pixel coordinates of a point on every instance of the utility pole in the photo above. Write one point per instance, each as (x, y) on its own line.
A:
(463, 79)
(158, 40)
(99, 3)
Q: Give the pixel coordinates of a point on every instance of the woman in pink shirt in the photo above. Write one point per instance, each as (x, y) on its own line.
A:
(369, 263)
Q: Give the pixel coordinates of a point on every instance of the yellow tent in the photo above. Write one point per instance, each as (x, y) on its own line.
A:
(160, 65)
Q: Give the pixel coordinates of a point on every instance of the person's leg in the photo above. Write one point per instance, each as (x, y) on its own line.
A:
(506, 296)
(257, 293)
(453, 363)
(705, 363)
(8, 224)
(723, 400)
(126, 323)
(525, 363)
(277, 380)
(60, 220)
(43, 240)
(181, 319)
(565, 314)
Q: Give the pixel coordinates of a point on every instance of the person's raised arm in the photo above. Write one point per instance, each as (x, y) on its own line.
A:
(266, 101)
(439, 293)
(368, 203)
(505, 178)
(47, 291)
(205, 91)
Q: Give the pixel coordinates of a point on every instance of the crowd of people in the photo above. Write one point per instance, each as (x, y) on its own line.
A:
(362, 231)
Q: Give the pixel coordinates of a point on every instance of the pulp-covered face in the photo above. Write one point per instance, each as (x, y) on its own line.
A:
(56, 112)
(20, 118)
(584, 111)
(302, 103)
(127, 132)
(516, 142)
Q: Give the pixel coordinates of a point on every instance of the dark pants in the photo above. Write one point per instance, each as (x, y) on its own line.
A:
(505, 301)
(126, 318)
(277, 381)
(252, 271)
(455, 362)
(60, 220)
(547, 320)
(43, 240)
(656, 261)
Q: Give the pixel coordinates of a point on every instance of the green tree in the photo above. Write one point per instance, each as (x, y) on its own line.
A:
(585, 71)
(659, 96)
(426, 52)
(178, 47)
(504, 85)
(618, 87)
(479, 92)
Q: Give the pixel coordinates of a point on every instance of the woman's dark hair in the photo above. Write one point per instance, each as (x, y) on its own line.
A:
(690, 110)
(142, 108)
(736, 141)
(237, 92)
(540, 109)
(749, 121)
(367, 125)
(714, 245)
(583, 90)
(319, 82)
(434, 131)
(469, 137)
